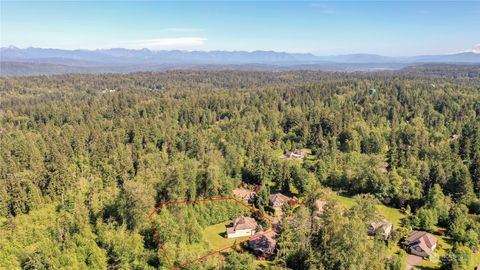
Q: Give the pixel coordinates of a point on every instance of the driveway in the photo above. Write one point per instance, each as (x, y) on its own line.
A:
(413, 260)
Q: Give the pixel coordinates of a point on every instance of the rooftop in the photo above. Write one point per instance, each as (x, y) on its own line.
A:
(242, 223)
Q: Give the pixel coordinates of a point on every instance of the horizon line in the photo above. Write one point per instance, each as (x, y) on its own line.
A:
(474, 50)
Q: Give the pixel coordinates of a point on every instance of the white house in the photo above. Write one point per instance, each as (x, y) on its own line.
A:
(241, 227)
(300, 154)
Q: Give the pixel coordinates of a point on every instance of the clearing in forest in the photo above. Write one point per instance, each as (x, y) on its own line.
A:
(194, 230)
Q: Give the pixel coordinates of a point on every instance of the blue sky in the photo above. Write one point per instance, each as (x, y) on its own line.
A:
(322, 28)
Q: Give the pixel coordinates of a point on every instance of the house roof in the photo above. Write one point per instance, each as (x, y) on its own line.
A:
(381, 223)
(295, 153)
(242, 223)
(422, 240)
(243, 193)
(279, 197)
(265, 243)
(319, 205)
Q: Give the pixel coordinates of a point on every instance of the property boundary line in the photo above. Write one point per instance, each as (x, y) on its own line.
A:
(160, 242)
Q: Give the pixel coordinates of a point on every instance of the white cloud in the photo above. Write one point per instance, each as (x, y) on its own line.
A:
(475, 49)
(164, 43)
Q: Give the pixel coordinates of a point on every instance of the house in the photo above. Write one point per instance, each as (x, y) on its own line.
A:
(264, 245)
(244, 194)
(319, 206)
(241, 226)
(295, 154)
(382, 227)
(277, 200)
(421, 243)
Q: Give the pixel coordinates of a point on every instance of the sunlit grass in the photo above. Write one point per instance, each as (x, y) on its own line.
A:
(215, 236)
(391, 214)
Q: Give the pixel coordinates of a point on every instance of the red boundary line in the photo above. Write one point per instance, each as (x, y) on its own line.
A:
(217, 251)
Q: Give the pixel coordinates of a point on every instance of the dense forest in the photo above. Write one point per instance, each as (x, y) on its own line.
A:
(84, 159)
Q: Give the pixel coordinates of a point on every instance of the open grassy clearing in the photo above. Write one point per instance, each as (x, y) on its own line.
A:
(391, 214)
(215, 236)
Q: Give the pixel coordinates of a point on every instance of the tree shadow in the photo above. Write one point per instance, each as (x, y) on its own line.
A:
(420, 267)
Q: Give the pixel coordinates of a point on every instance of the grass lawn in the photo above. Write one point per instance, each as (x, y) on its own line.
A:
(262, 264)
(391, 214)
(215, 236)
(278, 152)
(475, 261)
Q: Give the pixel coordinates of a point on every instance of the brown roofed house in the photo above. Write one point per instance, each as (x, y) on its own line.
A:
(241, 226)
(382, 227)
(264, 246)
(277, 201)
(421, 243)
(244, 194)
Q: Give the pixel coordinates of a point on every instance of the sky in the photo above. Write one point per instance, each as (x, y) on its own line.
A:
(322, 28)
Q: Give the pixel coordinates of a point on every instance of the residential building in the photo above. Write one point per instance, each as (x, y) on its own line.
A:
(241, 226)
(382, 227)
(421, 243)
(264, 245)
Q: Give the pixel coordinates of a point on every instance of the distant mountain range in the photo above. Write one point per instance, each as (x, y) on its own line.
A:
(32, 61)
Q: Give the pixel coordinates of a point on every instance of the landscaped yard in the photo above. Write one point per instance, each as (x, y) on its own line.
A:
(215, 236)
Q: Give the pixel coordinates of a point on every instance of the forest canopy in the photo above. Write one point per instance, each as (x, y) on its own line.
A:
(85, 158)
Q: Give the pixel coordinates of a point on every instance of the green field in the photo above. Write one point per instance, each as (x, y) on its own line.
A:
(391, 214)
(215, 236)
